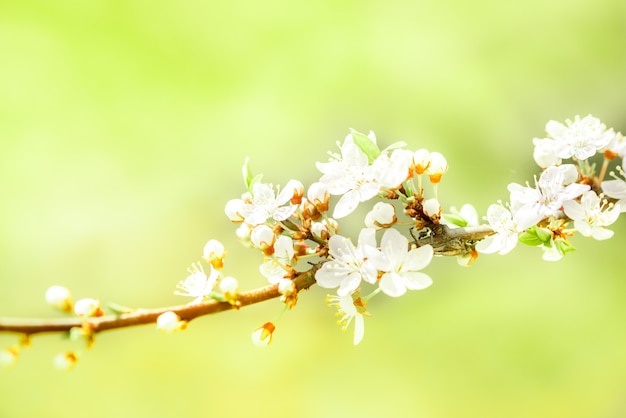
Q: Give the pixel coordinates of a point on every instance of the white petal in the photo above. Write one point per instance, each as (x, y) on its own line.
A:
(359, 329)
(391, 284)
(346, 205)
(418, 258)
(416, 280)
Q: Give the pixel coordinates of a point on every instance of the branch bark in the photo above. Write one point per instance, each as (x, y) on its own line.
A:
(30, 326)
(445, 241)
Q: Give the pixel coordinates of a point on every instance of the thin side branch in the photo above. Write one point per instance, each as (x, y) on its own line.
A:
(187, 312)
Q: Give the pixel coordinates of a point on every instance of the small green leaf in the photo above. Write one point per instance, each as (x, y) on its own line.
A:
(543, 234)
(247, 173)
(118, 309)
(366, 145)
(455, 219)
(255, 180)
(530, 238)
(563, 246)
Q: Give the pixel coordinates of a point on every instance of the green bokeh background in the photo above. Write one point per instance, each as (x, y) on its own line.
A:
(123, 126)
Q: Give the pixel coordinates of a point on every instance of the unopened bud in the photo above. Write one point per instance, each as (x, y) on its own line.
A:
(438, 166)
(65, 361)
(296, 190)
(432, 208)
(383, 215)
(214, 253)
(262, 337)
(59, 297)
(263, 238)
(169, 322)
(286, 287)
(234, 209)
(9, 356)
(88, 307)
(421, 160)
(320, 197)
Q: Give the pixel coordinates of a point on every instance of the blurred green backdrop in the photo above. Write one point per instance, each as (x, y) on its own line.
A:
(123, 126)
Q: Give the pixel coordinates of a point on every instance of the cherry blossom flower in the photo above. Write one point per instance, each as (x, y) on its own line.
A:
(399, 265)
(261, 204)
(348, 265)
(382, 215)
(506, 231)
(350, 176)
(580, 138)
(274, 269)
(197, 285)
(592, 214)
(555, 185)
(350, 310)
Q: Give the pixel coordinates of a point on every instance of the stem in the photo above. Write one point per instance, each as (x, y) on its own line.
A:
(30, 326)
(446, 241)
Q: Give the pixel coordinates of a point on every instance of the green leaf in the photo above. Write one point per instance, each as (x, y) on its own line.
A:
(118, 309)
(563, 246)
(366, 145)
(543, 234)
(530, 238)
(455, 219)
(247, 173)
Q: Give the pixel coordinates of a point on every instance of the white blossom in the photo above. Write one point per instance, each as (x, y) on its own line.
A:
(197, 285)
(349, 176)
(580, 138)
(555, 185)
(349, 312)
(399, 265)
(261, 204)
(506, 231)
(348, 265)
(592, 214)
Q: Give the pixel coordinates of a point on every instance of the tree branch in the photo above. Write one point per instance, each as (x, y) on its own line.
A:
(445, 241)
(30, 326)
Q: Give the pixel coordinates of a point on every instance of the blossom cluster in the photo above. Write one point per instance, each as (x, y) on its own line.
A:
(292, 223)
(567, 197)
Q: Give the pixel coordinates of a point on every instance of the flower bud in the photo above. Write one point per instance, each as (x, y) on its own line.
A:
(262, 337)
(229, 286)
(65, 361)
(432, 208)
(320, 231)
(295, 190)
(383, 215)
(286, 287)
(9, 356)
(88, 307)
(214, 253)
(438, 166)
(59, 297)
(263, 238)
(169, 322)
(234, 209)
(421, 161)
(320, 197)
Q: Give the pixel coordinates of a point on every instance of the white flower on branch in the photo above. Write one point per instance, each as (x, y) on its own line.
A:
(506, 236)
(350, 308)
(197, 285)
(400, 267)
(555, 185)
(262, 204)
(580, 138)
(592, 214)
(348, 265)
(349, 175)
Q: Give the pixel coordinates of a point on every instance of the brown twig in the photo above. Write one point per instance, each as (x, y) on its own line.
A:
(30, 326)
(445, 241)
